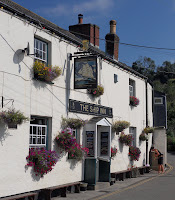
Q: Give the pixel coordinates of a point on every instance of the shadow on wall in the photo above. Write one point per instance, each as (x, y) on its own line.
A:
(3, 133)
(112, 135)
(34, 177)
(121, 147)
(61, 153)
(18, 58)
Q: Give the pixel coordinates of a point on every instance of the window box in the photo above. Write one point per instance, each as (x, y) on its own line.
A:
(45, 73)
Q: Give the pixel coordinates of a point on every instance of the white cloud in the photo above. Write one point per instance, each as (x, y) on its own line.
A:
(93, 5)
(84, 7)
(59, 10)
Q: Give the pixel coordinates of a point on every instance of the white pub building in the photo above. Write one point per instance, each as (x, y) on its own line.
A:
(26, 38)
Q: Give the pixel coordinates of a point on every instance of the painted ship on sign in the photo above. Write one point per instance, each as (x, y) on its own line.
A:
(86, 71)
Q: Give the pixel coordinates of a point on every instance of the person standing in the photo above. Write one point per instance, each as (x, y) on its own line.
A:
(159, 156)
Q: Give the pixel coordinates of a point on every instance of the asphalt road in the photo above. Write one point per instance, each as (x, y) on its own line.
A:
(158, 188)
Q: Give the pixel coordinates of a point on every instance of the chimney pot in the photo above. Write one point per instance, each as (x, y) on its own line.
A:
(113, 27)
(80, 18)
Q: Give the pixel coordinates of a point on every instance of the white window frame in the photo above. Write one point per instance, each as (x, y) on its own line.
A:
(39, 50)
(131, 90)
(158, 98)
(133, 132)
(39, 134)
(131, 87)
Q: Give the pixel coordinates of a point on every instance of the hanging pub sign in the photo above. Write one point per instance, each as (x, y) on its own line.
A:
(85, 72)
(89, 109)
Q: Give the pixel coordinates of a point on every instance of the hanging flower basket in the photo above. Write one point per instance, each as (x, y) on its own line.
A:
(125, 139)
(77, 152)
(134, 101)
(148, 130)
(134, 153)
(68, 143)
(45, 73)
(12, 118)
(119, 126)
(96, 92)
(41, 160)
(143, 137)
(113, 152)
(73, 123)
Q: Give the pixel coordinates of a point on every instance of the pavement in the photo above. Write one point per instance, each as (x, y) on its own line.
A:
(118, 187)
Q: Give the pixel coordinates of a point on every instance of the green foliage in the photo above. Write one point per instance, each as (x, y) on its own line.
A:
(119, 126)
(96, 92)
(145, 66)
(148, 130)
(46, 73)
(76, 154)
(163, 78)
(12, 117)
(143, 137)
(125, 139)
(72, 123)
(170, 143)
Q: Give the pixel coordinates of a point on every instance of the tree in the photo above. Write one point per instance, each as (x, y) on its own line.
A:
(145, 66)
(163, 78)
(165, 72)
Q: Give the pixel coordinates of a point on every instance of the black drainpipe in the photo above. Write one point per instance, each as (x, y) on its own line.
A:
(146, 86)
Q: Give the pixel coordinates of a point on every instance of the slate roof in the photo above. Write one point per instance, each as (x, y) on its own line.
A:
(36, 19)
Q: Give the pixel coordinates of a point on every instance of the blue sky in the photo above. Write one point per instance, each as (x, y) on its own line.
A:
(149, 23)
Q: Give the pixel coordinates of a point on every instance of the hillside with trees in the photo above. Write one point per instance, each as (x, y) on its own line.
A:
(163, 79)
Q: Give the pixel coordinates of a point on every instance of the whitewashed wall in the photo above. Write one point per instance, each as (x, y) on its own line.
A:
(36, 98)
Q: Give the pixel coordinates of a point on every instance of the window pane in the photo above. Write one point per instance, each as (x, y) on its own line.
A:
(44, 47)
(30, 140)
(39, 130)
(44, 56)
(34, 140)
(34, 130)
(36, 44)
(43, 140)
(158, 100)
(41, 46)
(30, 130)
(38, 140)
(43, 130)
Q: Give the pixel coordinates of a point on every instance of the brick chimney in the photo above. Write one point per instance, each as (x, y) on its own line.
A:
(86, 31)
(80, 19)
(112, 41)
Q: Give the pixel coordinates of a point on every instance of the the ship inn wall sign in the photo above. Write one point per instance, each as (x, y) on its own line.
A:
(85, 72)
(89, 109)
